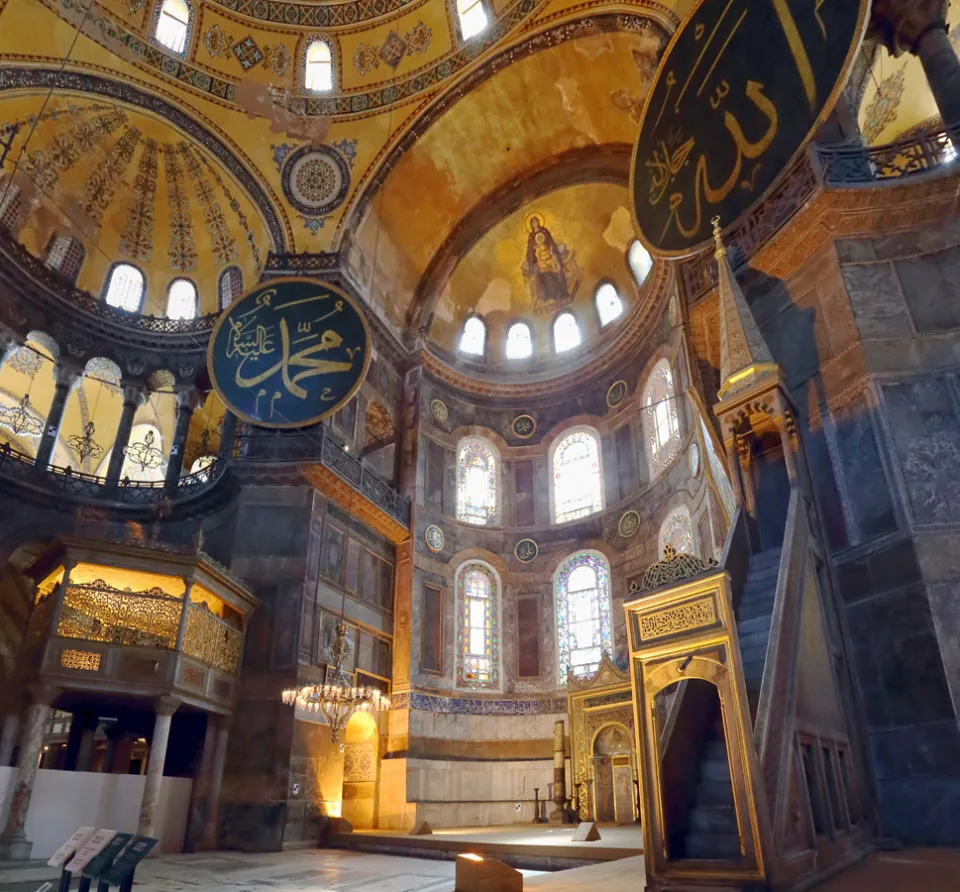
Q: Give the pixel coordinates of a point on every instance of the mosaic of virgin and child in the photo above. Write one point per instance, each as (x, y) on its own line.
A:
(549, 267)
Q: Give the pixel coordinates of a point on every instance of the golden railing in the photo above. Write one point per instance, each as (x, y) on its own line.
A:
(212, 641)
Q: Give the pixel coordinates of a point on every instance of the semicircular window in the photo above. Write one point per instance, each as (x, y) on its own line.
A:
(519, 341)
(609, 305)
(474, 338)
(566, 333)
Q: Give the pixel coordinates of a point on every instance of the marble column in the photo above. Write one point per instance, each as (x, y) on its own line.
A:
(558, 816)
(187, 401)
(133, 398)
(228, 432)
(211, 824)
(920, 27)
(14, 845)
(9, 737)
(166, 707)
(65, 379)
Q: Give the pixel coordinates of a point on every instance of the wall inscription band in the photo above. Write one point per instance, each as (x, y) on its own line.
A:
(682, 618)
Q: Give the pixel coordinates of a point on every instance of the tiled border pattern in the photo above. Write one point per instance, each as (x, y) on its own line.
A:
(20, 78)
(477, 706)
(309, 15)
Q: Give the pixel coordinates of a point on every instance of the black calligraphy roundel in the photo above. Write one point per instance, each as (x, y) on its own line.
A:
(741, 88)
(289, 353)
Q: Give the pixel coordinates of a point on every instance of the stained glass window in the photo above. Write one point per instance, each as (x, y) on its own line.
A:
(318, 67)
(519, 341)
(566, 333)
(473, 17)
(125, 287)
(577, 489)
(609, 305)
(173, 25)
(640, 262)
(583, 613)
(660, 417)
(476, 482)
(478, 636)
(474, 337)
(677, 530)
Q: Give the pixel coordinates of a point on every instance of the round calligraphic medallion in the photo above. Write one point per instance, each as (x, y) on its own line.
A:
(289, 353)
(616, 394)
(740, 90)
(439, 410)
(629, 524)
(523, 426)
(694, 457)
(526, 551)
(433, 536)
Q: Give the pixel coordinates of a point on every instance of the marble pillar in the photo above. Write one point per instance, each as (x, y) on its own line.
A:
(187, 402)
(228, 433)
(166, 707)
(133, 399)
(558, 815)
(65, 379)
(9, 737)
(211, 825)
(14, 845)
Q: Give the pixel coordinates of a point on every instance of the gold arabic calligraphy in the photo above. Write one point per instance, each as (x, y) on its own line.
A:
(672, 153)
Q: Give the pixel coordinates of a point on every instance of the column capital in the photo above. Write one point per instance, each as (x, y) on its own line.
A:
(43, 694)
(133, 392)
(188, 397)
(66, 375)
(899, 24)
(167, 705)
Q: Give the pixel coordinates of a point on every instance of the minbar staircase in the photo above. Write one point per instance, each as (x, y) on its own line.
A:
(754, 617)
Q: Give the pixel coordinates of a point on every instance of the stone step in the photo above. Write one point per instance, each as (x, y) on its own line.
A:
(714, 819)
(713, 846)
(754, 610)
(753, 668)
(709, 792)
(751, 639)
(715, 769)
(757, 624)
(753, 652)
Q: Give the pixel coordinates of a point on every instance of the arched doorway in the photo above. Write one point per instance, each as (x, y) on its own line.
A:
(361, 761)
(613, 763)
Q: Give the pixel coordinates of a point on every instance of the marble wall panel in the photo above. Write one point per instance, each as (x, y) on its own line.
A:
(931, 287)
(877, 301)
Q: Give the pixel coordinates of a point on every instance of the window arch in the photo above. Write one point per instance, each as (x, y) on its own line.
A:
(476, 482)
(660, 417)
(318, 66)
(65, 254)
(144, 459)
(230, 286)
(582, 587)
(125, 287)
(566, 332)
(519, 341)
(201, 467)
(474, 337)
(173, 25)
(11, 203)
(478, 626)
(472, 18)
(639, 261)
(608, 303)
(182, 300)
(577, 482)
(677, 530)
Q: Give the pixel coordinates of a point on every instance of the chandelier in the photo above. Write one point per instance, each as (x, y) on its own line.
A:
(85, 446)
(144, 453)
(337, 701)
(21, 418)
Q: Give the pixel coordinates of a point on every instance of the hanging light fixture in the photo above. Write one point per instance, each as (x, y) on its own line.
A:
(21, 418)
(85, 446)
(337, 701)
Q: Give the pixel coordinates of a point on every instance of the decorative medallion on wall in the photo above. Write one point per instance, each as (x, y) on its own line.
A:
(289, 353)
(616, 394)
(673, 311)
(439, 410)
(524, 426)
(629, 524)
(694, 456)
(394, 48)
(433, 536)
(884, 106)
(315, 181)
(526, 551)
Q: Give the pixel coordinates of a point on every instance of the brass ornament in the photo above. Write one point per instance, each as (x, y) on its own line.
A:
(616, 394)
(629, 524)
(526, 551)
(433, 536)
(439, 410)
(523, 427)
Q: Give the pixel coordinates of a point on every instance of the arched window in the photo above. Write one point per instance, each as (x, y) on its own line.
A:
(318, 67)
(660, 417)
(476, 482)
(201, 467)
(125, 287)
(473, 18)
(182, 300)
(230, 286)
(609, 305)
(478, 626)
(144, 459)
(11, 201)
(474, 337)
(677, 530)
(577, 489)
(582, 586)
(640, 261)
(519, 341)
(173, 25)
(566, 332)
(65, 255)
